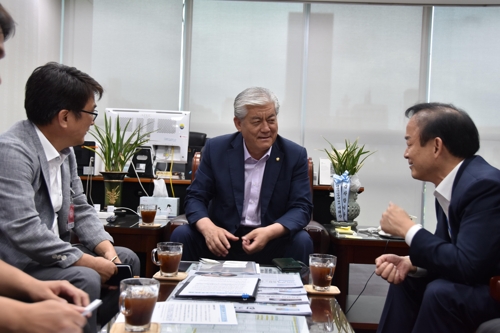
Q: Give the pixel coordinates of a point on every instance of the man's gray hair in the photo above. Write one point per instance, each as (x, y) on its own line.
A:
(254, 96)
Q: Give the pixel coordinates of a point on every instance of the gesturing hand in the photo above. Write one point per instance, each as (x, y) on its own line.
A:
(217, 238)
(255, 240)
(58, 290)
(53, 317)
(396, 221)
(393, 268)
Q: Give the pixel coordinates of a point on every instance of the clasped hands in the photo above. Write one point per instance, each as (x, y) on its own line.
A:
(218, 239)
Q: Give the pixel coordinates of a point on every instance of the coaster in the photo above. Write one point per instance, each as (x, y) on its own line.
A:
(332, 291)
(120, 328)
(149, 225)
(179, 277)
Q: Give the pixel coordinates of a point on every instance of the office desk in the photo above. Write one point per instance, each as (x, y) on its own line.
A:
(358, 251)
(138, 239)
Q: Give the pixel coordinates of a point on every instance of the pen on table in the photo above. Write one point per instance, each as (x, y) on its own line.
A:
(133, 225)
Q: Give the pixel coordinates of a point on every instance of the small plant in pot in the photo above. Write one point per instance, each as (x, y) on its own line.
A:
(346, 164)
(116, 147)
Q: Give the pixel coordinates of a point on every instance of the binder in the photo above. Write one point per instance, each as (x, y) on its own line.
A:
(248, 292)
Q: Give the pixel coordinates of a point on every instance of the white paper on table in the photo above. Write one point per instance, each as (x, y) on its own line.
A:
(195, 313)
(263, 309)
(282, 299)
(219, 286)
(280, 281)
(281, 291)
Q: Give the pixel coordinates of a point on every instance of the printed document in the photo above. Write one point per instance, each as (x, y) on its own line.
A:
(220, 287)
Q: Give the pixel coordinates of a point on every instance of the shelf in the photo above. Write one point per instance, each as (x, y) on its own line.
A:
(143, 180)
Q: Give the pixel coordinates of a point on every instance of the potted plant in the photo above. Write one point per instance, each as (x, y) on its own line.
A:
(115, 148)
(346, 164)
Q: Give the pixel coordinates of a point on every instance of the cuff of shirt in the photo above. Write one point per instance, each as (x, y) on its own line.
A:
(411, 233)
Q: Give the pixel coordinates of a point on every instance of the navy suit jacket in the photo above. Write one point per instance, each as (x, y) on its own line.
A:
(472, 254)
(218, 189)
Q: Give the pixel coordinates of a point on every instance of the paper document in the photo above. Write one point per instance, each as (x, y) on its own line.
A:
(221, 287)
(282, 299)
(282, 291)
(228, 267)
(195, 313)
(280, 281)
(290, 309)
(191, 313)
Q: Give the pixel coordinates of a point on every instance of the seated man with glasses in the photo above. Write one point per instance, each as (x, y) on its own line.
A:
(42, 196)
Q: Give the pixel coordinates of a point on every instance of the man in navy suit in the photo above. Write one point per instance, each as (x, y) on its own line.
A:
(443, 285)
(251, 197)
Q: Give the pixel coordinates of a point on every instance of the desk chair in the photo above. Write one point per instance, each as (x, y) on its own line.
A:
(318, 233)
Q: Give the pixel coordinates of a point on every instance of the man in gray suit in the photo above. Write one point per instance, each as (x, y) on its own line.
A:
(42, 196)
(47, 308)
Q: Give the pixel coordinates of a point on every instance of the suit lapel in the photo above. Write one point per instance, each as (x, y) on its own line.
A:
(271, 173)
(44, 165)
(442, 225)
(65, 181)
(237, 171)
(453, 220)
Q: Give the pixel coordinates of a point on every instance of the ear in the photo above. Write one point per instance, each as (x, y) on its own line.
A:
(62, 118)
(438, 146)
(237, 123)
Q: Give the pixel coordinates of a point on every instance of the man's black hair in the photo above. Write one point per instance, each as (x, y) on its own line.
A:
(453, 125)
(54, 87)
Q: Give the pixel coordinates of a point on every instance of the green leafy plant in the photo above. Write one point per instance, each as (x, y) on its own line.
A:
(350, 159)
(114, 148)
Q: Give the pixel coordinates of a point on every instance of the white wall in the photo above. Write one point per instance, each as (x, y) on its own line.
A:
(36, 42)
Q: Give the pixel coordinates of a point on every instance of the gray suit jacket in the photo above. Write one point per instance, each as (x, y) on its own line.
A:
(26, 212)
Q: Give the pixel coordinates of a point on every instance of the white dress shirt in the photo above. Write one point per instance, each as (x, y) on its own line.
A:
(254, 172)
(55, 160)
(443, 196)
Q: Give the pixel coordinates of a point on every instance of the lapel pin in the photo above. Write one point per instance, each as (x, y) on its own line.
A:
(277, 159)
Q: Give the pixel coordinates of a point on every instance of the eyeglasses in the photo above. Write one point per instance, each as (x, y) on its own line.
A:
(95, 113)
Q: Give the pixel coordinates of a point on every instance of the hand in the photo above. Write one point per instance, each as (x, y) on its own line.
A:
(52, 317)
(393, 268)
(217, 238)
(105, 268)
(101, 265)
(396, 221)
(255, 240)
(62, 291)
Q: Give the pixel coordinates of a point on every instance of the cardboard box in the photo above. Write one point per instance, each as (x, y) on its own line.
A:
(168, 206)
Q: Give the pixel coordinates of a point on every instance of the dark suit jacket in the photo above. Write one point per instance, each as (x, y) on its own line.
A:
(472, 255)
(285, 194)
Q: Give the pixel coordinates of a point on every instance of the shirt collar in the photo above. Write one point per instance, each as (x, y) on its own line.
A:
(248, 156)
(49, 150)
(444, 189)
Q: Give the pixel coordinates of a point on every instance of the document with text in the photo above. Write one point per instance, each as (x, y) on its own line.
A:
(234, 288)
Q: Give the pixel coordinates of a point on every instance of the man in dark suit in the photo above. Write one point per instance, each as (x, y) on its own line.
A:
(443, 285)
(251, 197)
